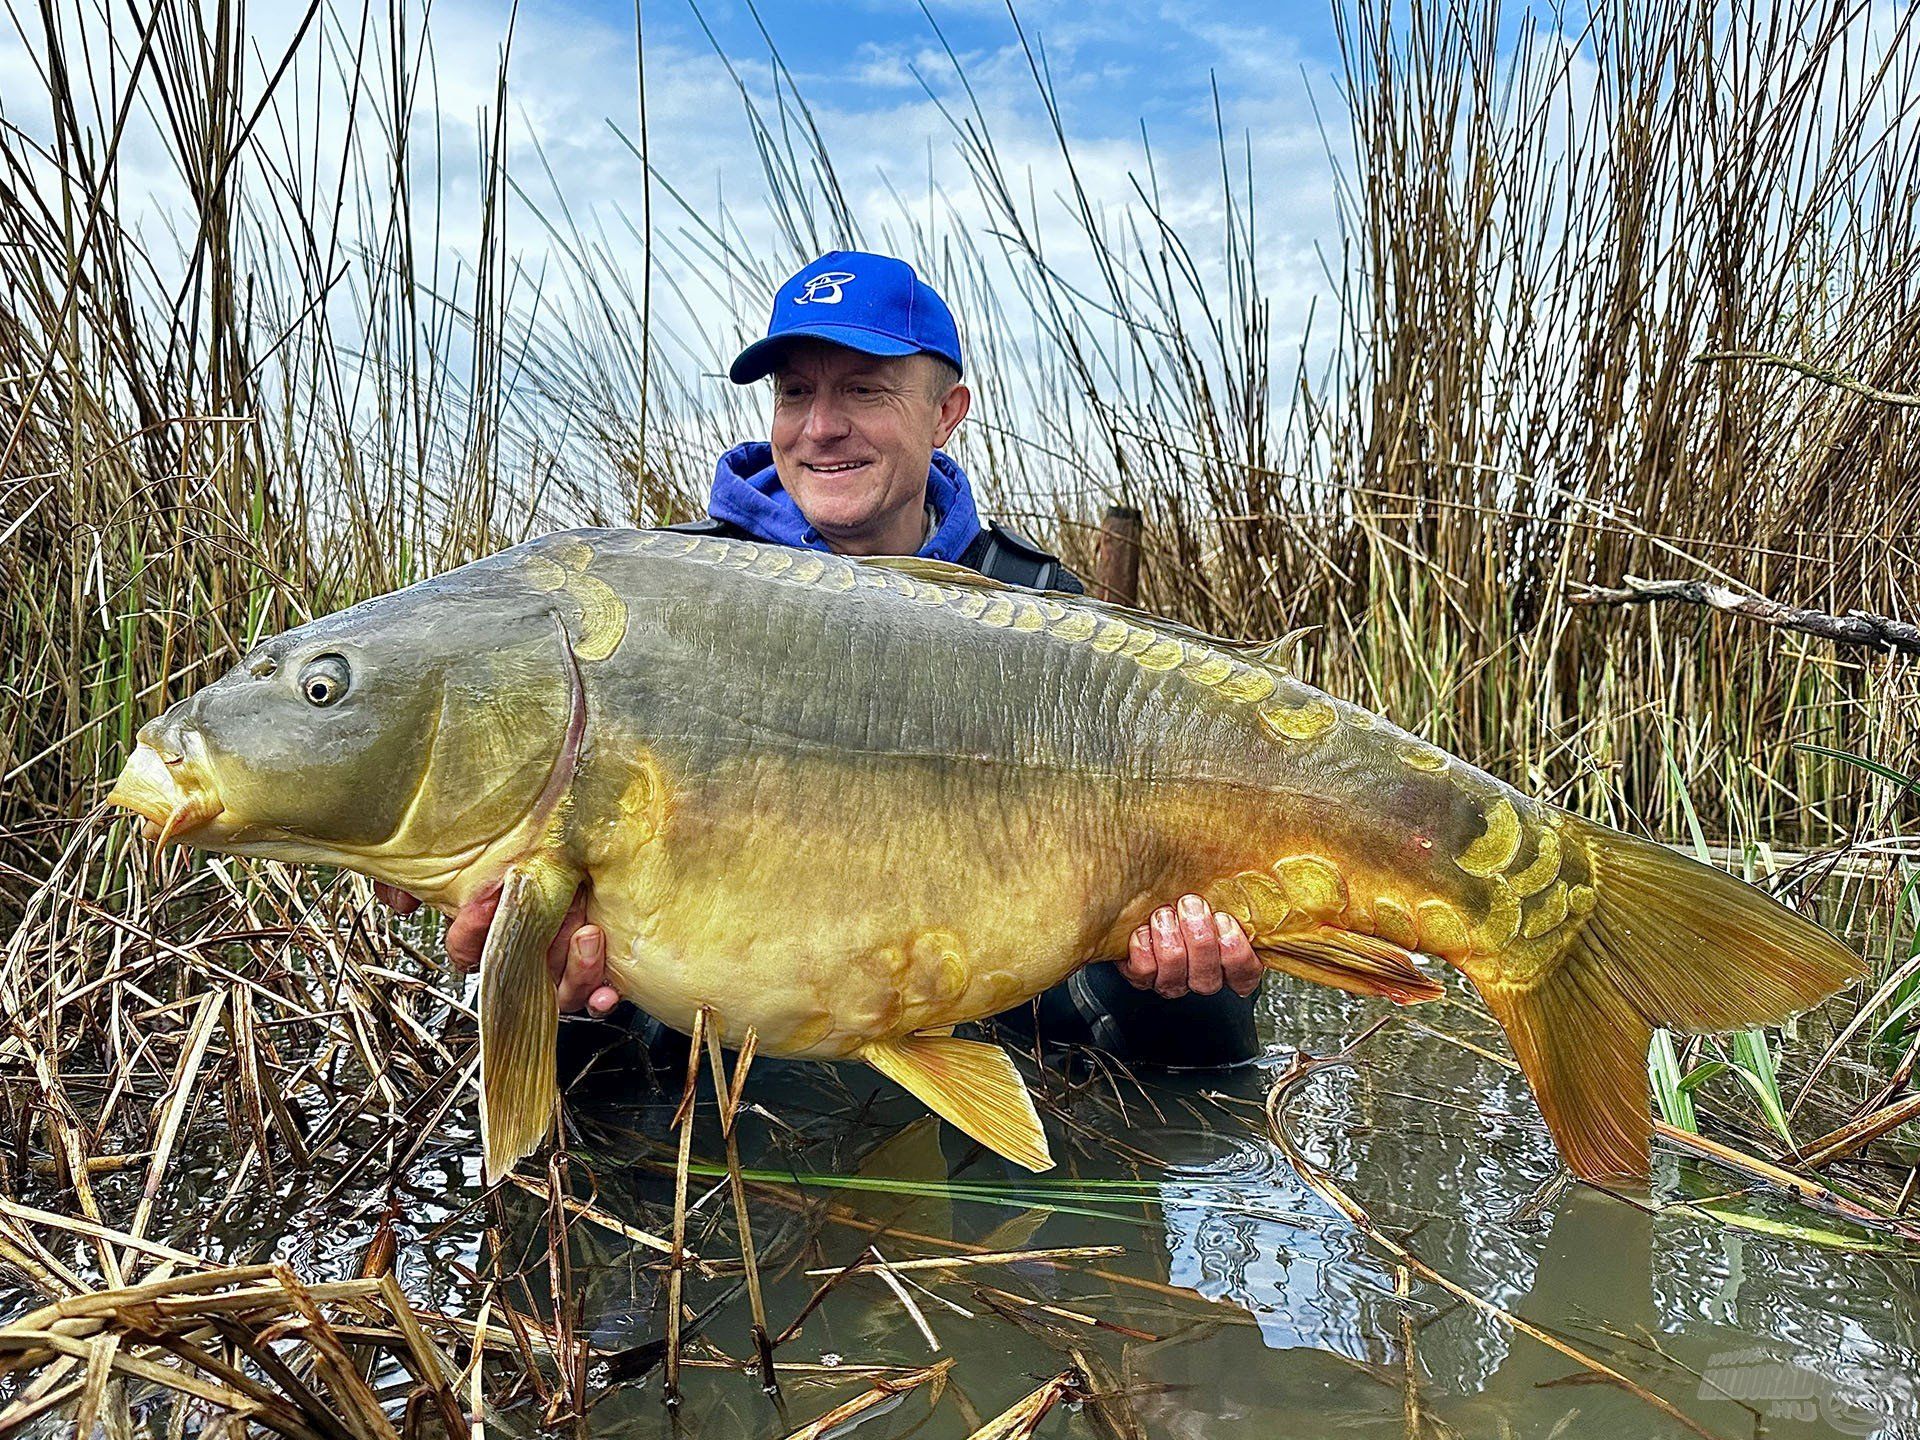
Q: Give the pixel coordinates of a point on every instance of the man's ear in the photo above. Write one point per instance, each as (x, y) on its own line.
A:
(953, 410)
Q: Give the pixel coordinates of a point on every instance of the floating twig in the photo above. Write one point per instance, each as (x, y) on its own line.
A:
(881, 1392)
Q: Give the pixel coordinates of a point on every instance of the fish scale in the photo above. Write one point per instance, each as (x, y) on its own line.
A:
(851, 804)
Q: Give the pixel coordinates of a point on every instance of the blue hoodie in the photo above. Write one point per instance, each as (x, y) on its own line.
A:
(747, 492)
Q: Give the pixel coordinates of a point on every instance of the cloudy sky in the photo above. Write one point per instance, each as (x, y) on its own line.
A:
(879, 84)
(1145, 95)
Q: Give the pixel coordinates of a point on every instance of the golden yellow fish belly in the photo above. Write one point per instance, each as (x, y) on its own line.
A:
(828, 905)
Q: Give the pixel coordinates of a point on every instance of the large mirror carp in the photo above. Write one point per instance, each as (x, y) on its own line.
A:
(853, 804)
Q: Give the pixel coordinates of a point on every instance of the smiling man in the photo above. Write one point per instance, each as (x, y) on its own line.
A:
(866, 367)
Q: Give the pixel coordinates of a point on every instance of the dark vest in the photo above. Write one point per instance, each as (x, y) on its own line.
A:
(997, 552)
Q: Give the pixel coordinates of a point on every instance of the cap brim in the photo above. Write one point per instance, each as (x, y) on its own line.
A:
(763, 356)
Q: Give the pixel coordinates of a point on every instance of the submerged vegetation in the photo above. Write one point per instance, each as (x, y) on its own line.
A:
(274, 394)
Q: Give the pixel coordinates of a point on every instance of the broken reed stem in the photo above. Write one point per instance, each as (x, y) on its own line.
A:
(914, 1312)
(1019, 1420)
(1062, 1312)
(179, 1099)
(1410, 1418)
(1851, 1137)
(676, 1273)
(476, 1388)
(1826, 375)
(820, 1293)
(596, 1216)
(1328, 1189)
(1223, 1312)
(253, 1343)
(1053, 1256)
(1856, 627)
(728, 1093)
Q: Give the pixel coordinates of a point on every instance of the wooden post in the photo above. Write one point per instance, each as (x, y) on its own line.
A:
(1116, 563)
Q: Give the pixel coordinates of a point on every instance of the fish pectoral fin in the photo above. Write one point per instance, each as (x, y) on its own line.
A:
(971, 1085)
(519, 1014)
(1347, 960)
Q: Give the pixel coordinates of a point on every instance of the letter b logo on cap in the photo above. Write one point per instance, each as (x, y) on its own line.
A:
(824, 288)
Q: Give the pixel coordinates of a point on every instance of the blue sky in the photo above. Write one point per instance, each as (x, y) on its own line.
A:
(1114, 66)
(571, 105)
(1117, 62)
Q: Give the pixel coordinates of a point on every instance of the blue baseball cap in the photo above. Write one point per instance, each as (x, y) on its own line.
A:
(871, 303)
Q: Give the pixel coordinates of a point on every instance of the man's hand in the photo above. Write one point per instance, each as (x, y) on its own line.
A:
(577, 958)
(1186, 948)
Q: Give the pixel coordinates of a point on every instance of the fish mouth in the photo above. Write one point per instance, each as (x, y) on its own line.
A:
(174, 796)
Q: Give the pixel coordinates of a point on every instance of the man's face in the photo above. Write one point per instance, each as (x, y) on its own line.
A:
(852, 438)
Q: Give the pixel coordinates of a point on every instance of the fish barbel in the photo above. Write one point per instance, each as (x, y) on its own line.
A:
(850, 804)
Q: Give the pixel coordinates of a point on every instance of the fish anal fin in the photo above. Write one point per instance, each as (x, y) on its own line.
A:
(1347, 960)
(519, 1014)
(971, 1085)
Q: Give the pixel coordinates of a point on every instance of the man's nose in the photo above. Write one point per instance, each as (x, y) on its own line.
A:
(826, 418)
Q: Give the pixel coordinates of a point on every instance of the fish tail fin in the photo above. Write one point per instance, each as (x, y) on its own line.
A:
(970, 1084)
(1669, 942)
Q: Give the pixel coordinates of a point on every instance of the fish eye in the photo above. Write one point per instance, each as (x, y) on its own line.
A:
(323, 679)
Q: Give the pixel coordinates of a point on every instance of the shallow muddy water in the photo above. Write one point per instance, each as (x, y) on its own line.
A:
(1745, 1331)
(1255, 1309)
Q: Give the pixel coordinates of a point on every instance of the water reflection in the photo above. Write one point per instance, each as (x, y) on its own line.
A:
(1744, 1332)
(1442, 1147)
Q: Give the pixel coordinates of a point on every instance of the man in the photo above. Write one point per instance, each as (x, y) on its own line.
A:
(866, 367)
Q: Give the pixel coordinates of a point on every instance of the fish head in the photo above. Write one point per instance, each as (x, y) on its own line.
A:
(396, 738)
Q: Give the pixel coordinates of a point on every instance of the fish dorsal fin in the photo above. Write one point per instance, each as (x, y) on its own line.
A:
(971, 1085)
(941, 572)
(1278, 654)
(1346, 960)
(1272, 654)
